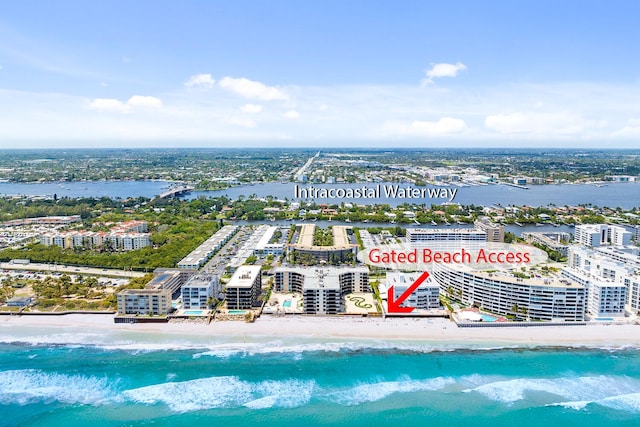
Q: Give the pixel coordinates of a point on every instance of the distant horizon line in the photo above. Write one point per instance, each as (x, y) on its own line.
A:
(327, 148)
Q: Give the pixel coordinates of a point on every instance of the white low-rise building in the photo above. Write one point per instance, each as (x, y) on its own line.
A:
(446, 238)
(264, 247)
(200, 255)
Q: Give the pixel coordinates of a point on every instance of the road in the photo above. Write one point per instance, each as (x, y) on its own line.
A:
(69, 269)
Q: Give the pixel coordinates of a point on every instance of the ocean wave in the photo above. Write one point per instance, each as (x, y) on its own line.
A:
(277, 347)
(575, 390)
(226, 350)
(624, 402)
(577, 405)
(230, 391)
(374, 391)
(223, 392)
(26, 386)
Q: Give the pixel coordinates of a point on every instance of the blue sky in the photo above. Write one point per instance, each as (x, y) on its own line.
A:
(322, 73)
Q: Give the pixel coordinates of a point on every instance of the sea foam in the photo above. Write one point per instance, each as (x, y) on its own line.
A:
(576, 390)
(28, 386)
(223, 392)
(375, 391)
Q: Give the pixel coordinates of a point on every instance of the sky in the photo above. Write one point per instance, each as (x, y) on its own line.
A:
(319, 73)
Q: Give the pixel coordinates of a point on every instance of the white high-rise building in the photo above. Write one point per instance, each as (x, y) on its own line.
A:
(609, 275)
(504, 294)
(426, 296)
(594, 235)
(198, 289)
(323, 288)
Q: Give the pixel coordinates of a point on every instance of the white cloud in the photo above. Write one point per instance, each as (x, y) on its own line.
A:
(144, 101)
(292, 114)
(631, 130)
(252, 108)
(442, 70)
(560, 123)
(241, 121)
(107, 105)
(251, 89)
(442, 127)
(572, 114)
(200, 80)
(116, 106)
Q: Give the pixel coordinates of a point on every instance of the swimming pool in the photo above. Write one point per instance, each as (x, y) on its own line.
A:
(487, 318)
(286, 303)
(237, 311)
(604, 319)
(193, 312)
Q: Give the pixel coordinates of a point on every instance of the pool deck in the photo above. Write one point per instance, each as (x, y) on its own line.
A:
(276, 304)
(192, 313)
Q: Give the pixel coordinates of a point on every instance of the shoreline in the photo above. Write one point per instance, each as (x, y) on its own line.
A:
(99, 330)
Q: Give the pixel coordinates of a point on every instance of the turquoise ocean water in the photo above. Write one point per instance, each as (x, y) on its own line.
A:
(274, 383)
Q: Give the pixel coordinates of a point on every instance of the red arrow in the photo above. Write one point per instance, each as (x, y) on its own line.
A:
(394, 305)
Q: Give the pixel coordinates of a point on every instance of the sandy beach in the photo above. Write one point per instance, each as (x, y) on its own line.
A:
(436, 331)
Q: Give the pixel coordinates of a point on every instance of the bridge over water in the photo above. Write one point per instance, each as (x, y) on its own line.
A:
(176, 191)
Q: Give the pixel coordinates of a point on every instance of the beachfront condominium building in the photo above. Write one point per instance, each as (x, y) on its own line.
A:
(322, 298)
(199, 290)
(156, 296)
(169, 278)
(426, 296)
(443, 239)
(611, 271)
(605, 298)
(244, 287)
(504, 294)
(323, 289)
(495, 232)
(594, 235)
(144, 302)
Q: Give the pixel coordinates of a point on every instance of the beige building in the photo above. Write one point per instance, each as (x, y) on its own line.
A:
(144, 302)
(340, 251)
(495, 232)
